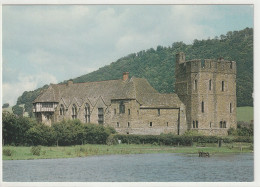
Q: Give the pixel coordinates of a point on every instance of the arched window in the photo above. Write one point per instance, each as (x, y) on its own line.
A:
(74, 111)
(61, 110)
(87, 113)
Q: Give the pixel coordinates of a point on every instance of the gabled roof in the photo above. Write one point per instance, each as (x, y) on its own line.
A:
(135, 88)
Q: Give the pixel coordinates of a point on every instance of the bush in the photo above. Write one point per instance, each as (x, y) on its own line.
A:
(112, 140)
(36, 150)
(7, 152)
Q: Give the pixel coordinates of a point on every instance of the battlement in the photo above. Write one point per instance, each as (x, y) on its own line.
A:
(204, 65)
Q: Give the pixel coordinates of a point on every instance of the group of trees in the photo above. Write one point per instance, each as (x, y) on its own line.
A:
(19, 130)
(157, 65)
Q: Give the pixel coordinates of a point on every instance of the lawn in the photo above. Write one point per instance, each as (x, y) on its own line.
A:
(245, 113)
(24, 153)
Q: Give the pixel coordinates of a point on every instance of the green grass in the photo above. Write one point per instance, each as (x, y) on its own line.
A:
(24, 153)
(245, 113)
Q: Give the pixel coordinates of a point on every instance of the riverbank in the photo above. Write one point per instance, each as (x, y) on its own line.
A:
(24, 153)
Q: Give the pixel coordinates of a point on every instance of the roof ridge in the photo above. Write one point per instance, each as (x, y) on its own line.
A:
(91, 82)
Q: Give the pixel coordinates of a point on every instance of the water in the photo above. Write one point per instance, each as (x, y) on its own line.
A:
(169, 167)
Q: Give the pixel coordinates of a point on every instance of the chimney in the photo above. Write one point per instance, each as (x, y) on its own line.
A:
(125, 76)
(70, 82)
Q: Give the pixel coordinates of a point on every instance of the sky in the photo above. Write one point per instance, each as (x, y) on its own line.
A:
(43, 44)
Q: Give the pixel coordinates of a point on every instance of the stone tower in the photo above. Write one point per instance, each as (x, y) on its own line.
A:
(208, 90)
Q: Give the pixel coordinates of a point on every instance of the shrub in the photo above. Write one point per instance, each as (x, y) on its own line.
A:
(112, 140)
(36, 150)
(7, 152)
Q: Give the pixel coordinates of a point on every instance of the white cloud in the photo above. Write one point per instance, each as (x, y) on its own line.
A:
(11, 91)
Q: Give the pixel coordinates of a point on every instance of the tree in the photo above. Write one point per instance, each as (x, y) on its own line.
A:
(6, 105)
(17, 110)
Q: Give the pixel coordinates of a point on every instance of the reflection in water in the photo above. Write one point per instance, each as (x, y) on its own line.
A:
(170, 167)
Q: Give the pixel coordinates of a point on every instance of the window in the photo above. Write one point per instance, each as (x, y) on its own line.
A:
(230, 107)
(114, 111)
(128, 111)
(87, 113)
(209, 84)
(121, 107)
(128, 124)
(193, 124)
(117, 124)
(151, 124)
(74, 111)
(61, 110)
(203, 63)
(223, 124)
(159, 112)
(100, 115)
(167, 124)
(202, 107)
(210, 124)
(231, 65)
(223, 86)
(197, 124)
(195, 85)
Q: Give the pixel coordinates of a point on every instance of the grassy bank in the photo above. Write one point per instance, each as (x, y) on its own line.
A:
(245, 113)
(24, 153)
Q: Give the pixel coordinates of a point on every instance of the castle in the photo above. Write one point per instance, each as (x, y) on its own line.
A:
(204, 100)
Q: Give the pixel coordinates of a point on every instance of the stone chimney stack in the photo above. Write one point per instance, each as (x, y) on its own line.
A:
(125, 76)
(70, 82)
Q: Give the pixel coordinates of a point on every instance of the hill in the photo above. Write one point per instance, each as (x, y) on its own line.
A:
(157, 65)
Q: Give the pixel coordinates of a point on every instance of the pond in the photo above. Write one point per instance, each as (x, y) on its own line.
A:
(168, 167)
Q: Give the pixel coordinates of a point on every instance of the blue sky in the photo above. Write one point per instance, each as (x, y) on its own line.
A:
(49, 44)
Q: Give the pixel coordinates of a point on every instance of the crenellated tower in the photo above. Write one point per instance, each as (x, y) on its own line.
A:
(208, 90)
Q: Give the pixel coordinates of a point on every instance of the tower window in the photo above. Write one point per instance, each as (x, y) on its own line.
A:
(114, 111)
(197, 124)
(167, 124)
(203, 63)
(151, 124)
(159, 112)
(221, 124)
(224, 124)
(195, 85)
(128, 124)
(128, 111)
(231, 65)
(202, 107)
(230, 107)
(193, 124)
(209, 84)
(117, 124)
(223, 86)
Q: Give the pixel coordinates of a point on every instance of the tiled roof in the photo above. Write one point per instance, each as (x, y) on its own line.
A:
(135, 88)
